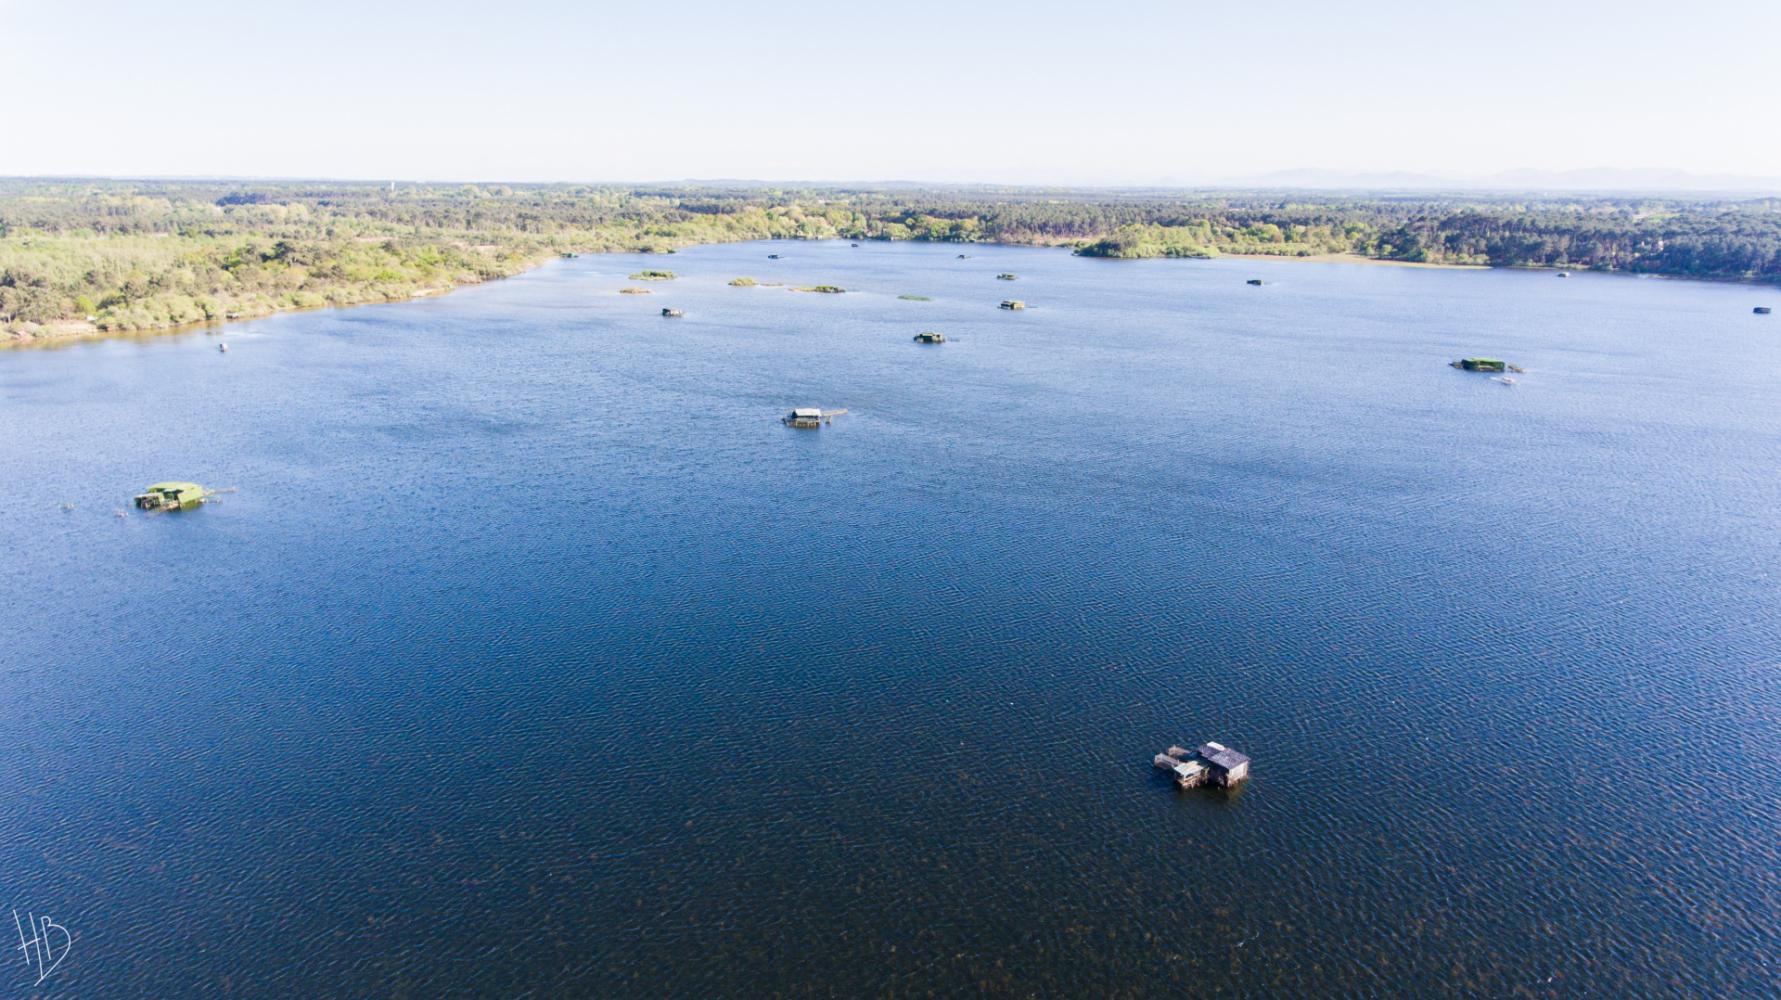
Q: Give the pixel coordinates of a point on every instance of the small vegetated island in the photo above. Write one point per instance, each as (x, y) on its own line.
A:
(1161, 241)
(821, 289)
(79, 257)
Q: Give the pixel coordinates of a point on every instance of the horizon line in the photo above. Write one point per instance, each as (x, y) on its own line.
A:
(1422, 184)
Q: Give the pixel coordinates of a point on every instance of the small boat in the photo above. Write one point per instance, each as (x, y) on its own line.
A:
(1762, 310)
(1013, 304)
(1505, 379)
(1005, 276)
(772, 256)
(1564, 274)
(853, 244)
(223, 348)
(672, 313)
(964, 256)
(930, 337)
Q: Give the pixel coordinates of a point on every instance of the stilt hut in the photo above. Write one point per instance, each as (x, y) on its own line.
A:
(170, 496)
(1480, 364)
(1209, 764)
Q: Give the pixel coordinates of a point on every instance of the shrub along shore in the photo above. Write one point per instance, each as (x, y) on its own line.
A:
(81, 258)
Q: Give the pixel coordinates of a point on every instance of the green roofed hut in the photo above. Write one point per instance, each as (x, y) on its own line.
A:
(1481, 364)
(171, 496)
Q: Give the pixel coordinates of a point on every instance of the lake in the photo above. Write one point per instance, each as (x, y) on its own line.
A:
(533, 656)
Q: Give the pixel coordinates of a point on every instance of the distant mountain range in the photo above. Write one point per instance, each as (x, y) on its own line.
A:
(1593, 179)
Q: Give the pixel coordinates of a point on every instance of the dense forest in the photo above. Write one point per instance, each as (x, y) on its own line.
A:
(80, 256)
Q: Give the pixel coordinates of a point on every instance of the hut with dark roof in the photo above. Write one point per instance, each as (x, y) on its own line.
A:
(1228, 766)
(1209, 764)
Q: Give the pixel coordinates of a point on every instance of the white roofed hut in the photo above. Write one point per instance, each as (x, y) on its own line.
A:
(1179, 761)
(810, 416)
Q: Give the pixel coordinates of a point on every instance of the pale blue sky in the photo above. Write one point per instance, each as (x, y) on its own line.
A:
(1036, 92)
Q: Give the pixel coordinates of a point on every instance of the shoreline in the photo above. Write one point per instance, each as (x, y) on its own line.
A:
(92, 334)
(1355, 258)
(13, 342)
(95, 335)
(86, 333)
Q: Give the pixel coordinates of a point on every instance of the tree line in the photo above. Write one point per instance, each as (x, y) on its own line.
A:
(77, 255)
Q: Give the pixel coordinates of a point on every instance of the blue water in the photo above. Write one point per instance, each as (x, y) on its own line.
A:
(534, 657)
